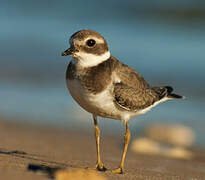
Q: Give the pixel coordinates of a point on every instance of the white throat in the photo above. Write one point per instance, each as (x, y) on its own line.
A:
(89, 60)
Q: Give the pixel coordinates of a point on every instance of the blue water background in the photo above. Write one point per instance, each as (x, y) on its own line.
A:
(164, 41)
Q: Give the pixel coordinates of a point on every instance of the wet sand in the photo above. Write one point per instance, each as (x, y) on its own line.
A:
(34, 152)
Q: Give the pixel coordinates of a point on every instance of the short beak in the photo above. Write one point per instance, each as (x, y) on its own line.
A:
(67, 52)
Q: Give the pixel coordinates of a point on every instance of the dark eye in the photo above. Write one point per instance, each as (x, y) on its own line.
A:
(90, 42)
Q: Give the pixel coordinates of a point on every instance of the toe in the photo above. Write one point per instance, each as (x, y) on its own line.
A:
(117, 171)
(100, 167)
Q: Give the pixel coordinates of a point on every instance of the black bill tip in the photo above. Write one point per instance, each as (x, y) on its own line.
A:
(63, 54)
(67, 52)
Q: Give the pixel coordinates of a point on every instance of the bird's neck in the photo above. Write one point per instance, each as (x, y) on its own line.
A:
(86, 60)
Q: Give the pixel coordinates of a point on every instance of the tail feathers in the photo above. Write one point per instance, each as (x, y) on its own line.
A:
(172, 95)
(166, 92)
(175, 96)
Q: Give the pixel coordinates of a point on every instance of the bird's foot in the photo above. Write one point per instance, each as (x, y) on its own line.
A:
(117, 171)
(100, 167)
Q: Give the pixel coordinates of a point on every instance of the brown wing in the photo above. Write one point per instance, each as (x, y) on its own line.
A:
(133, 92)
(129, 76)
(134, 99)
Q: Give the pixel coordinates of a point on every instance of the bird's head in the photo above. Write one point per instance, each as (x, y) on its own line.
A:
(88, 48)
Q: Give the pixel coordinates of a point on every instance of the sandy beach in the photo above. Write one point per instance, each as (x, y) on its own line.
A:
(35, 152)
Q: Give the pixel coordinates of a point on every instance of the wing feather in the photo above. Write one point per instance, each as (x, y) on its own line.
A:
(131, 92)
(133, 99)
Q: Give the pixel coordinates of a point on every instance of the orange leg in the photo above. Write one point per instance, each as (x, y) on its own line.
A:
(126, 142)
(99, 165)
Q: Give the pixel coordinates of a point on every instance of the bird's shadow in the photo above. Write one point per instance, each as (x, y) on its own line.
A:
(48, 170)
(41, 164)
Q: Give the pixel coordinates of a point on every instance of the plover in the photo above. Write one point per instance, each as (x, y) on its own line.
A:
(105, 87)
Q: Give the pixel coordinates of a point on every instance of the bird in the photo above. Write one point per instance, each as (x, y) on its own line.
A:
(105, 87)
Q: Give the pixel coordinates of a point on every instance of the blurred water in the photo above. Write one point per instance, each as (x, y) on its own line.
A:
(32, 72)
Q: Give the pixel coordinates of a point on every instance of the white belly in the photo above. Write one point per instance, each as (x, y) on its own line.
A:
(100, 104)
